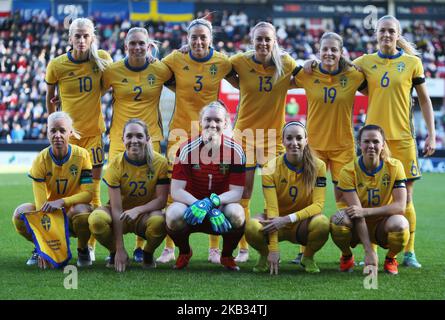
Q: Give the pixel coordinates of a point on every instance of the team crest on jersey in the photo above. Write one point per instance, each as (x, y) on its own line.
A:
(401, 67)
(386, 179)
(151, 79)
(73, 170)
(196, 166)
(46, 222)
(150, 175)
(213, 69)
(224, 168)
(343, 81)
(96, 69)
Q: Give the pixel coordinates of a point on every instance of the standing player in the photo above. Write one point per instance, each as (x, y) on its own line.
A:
(294, 192)
(374, 190)
(77, 74)
(264, 77)
(207, 184)
(330, 90)
(138, 187)
(198, 74)
(137, 83)
(391, 74)
(61, 177)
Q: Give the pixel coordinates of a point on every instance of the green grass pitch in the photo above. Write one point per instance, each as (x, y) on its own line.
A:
(202, 280)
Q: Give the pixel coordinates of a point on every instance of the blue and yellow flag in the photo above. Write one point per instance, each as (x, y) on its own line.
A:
(161, 11)
(50, 234)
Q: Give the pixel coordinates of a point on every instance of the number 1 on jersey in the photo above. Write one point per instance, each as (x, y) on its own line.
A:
(210, 181)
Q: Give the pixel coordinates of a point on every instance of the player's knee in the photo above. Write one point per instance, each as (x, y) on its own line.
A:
(22, 208)
(252, 230)
(174, 216)
(99, 220)
(319, 223)
(235, 213)
(396, 223)
(341, 218)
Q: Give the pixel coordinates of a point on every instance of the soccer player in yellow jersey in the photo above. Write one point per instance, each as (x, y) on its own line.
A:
(61, 177)
(294, 191)
(198, 74)
(330, 90)
(391, 74)
(137, 83)
(77, 75)
(264, 78)
(374, 200)
(138, 186)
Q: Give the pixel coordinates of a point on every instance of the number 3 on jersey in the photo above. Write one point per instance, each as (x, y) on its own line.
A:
(198, 84)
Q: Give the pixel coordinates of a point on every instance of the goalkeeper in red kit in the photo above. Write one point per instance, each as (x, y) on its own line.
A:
(207, 184)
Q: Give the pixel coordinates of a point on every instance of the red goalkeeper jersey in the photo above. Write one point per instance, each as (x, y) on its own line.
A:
(208, 173)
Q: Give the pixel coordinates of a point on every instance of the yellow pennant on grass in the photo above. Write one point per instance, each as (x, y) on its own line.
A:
(50, 234)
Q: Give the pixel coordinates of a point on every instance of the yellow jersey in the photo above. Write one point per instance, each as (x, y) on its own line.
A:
(390, 84)
(79, 85)
(136, 94)
(284, 192)
(330, 106)
(197, 84)
(62, 178)
(374, 189)
(262, 100)
(136, 181)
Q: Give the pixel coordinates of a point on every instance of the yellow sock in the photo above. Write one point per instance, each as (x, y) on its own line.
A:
(302, 248)
(342, 237)
(169, 243)
(318, 234)
(255, 237)
(139, 242)
(245, 203)
(154, 233)
(100, 223)
(20, 227)
(92, 242)
(410, 214)
(213, 241)
(396, 242)
(96, 193)
(81, 229)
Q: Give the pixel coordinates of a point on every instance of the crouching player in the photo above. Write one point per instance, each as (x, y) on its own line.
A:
(294, 186)
(207, 185)
(374, 190)
(138, 189)
(62, 177)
